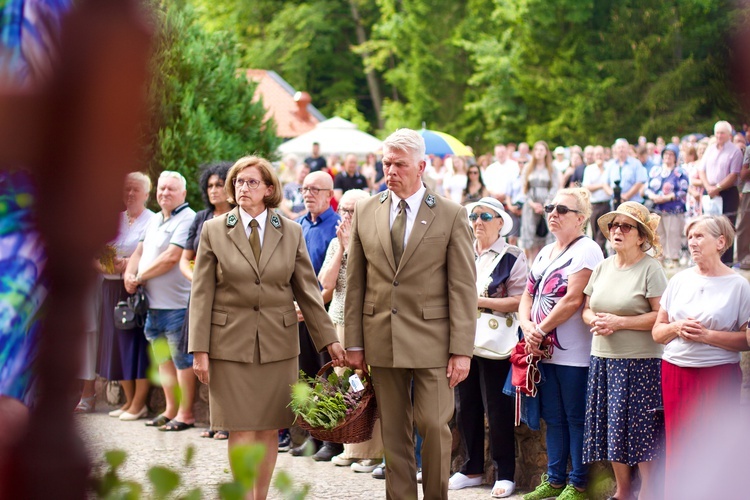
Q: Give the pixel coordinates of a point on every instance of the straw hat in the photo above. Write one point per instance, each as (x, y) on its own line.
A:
(640, 214)
(497, 207)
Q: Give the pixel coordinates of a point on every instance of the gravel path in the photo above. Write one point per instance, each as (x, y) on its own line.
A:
(146, 447)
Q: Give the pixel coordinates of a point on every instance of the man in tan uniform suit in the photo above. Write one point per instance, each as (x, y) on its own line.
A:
(412, 316)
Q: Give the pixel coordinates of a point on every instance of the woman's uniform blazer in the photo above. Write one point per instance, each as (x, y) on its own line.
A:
(235, 302)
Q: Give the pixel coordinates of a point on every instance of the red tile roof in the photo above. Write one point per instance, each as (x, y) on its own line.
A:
(278, 99)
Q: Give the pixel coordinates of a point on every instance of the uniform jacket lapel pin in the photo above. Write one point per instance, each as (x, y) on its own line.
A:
(275, 222)
(430, 201)
(383, 196)
(231, 220)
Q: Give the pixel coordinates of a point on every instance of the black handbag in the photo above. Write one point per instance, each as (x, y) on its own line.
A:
(541, 228)
(131, 312)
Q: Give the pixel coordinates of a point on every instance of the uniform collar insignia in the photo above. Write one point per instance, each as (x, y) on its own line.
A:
(275, 222)
(383, 196)
(430, 200)
(231, 220)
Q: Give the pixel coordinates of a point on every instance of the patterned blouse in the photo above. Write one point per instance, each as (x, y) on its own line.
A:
(336, 308)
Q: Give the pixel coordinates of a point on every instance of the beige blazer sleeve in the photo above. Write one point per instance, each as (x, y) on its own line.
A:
(310, 300)
(202, 296)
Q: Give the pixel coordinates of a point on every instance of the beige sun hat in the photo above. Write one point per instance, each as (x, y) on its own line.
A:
(640, 214)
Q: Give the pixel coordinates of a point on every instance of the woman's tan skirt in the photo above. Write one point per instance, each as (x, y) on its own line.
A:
(251, 396)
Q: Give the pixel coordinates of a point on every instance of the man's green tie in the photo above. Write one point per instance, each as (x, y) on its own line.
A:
(398, 232)
(255, 239)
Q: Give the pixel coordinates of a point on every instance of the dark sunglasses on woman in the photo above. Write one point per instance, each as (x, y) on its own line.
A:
(624, 228)
(561, 209)
(485, 216)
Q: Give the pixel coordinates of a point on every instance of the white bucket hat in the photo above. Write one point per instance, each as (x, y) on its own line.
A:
(497, 207)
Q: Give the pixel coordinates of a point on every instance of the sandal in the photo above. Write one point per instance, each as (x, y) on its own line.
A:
(175, 426)
(208, 434)
(508, 486)
(221, 435)
(86, 405)
(159, 421)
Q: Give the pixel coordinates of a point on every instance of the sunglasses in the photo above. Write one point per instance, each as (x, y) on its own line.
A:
(624, 228)
(485, 216)
(561, 209)
(471, 172)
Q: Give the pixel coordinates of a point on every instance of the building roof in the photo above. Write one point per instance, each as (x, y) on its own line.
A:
(285, 105)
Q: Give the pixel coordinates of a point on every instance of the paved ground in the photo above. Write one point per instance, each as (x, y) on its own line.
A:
(147, 447)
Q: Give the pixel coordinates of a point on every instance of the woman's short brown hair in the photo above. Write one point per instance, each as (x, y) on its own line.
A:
(267, 173)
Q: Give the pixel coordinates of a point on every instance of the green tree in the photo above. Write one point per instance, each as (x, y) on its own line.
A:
(583, 71)
(309, 43)
(416, 46)
(203, 108)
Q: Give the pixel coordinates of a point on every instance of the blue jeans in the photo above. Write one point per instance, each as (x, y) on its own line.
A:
(563, 401)
(168, 323)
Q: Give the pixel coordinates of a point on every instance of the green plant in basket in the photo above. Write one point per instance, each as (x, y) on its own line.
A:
(324, 402)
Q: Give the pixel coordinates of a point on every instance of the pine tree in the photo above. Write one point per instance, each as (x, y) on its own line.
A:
(202, 104)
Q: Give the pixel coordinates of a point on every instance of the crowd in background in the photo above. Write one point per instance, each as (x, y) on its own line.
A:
(528, 206)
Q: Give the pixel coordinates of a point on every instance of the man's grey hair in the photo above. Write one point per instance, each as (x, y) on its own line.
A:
(407, 140)
(171, 174)
(622, 141)
(723, 124)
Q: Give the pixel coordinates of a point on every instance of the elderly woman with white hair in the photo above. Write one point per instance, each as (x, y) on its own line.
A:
(366, 456)
(624, 385)
(123, 354)
(501, 278)
(702, 323)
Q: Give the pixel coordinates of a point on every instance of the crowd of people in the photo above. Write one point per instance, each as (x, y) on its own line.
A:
(384, 266)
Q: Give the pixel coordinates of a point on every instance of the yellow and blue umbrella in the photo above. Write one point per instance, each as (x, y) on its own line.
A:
(441, 144)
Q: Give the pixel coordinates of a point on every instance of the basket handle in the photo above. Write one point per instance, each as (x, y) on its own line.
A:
(329, 365)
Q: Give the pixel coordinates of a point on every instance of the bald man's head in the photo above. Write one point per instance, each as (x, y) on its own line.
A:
(317, 189)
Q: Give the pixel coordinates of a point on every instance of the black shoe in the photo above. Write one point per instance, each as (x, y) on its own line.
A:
(327, 452)
(285, 440)
(307, 448)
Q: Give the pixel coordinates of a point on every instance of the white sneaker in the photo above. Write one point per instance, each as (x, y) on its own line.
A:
(368, 465)
(341, 461)
(379, 472)
(459, 481)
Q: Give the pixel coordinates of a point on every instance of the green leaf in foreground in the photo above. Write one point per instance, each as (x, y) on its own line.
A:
(194, 494)
(231, 491)
(189, 455)
(245, 460)
(164, 480)
(283, 483)
(115, 458)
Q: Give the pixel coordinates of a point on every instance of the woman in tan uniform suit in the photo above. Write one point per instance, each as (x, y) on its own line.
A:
(251, 267)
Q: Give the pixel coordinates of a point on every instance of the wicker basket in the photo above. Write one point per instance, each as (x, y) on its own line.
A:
(355, 428)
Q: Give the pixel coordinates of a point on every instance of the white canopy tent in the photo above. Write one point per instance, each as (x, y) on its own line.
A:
(334, 135)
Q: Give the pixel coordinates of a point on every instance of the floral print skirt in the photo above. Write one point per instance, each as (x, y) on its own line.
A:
(620, 424)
